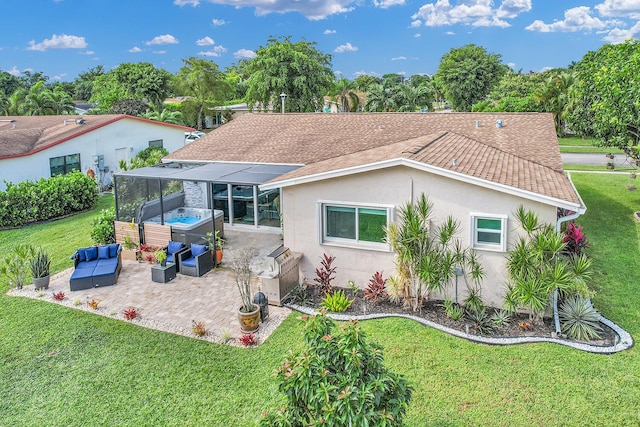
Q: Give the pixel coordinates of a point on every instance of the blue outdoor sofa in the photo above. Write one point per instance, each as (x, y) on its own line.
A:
(96, 266)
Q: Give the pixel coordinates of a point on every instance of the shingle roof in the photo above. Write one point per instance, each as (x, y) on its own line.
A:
(523, 153)
(24, 135)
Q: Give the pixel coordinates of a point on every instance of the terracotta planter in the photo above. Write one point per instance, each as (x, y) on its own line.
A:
(249, 322)
(41, 282)
(219, 254)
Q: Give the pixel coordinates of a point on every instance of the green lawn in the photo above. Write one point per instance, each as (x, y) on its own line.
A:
(586, 145)
(59, 366)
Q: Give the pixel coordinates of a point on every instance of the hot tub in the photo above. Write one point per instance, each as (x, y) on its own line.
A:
(190, 224)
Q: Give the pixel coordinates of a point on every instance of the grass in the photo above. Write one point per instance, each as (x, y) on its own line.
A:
(594, 168)
(586, 145)
(59, 366)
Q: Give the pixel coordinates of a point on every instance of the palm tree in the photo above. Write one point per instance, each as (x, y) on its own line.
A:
(166, 116)
(61, 101)
(410, 98)
(554, 97)
(346, 96)
(380, 98)
(38, 101)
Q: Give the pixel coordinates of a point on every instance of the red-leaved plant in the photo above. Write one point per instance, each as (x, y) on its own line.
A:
(575, 239)
(130, 313)
(248, 340)
(375, 289)
(325, 274)
(58, 296)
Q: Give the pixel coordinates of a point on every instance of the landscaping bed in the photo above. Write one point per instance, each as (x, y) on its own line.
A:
(434, 311)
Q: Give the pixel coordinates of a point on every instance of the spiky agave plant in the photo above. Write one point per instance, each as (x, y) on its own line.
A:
(579, 319)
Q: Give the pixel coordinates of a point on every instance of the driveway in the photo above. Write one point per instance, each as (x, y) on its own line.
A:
(592, 159)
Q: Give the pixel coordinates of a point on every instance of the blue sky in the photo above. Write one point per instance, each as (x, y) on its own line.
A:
(63, 38)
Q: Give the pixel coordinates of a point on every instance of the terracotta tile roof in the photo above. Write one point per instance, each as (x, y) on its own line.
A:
(24, 135)
(523, 153)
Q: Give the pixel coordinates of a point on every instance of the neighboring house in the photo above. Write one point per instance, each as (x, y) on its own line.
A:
(478, 167)
(34, 147)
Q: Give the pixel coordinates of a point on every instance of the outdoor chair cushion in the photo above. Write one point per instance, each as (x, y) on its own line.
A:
(91, 253)
(190, 262)
(174, 247)
(197, 249)
(113, 250)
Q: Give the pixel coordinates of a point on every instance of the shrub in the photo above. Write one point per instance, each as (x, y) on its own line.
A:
(93, 304)
(579, 319)
(326, 273)
(58, 296)
(336, 301)
(198, 328)
(501, 318)
(300, 295)
(248, 340)
(481, 321)
(339, 379)
(575, 239)
(15, 264)
(130, 313)
(32, 201)
(375, 289)
(452, 310)
(103, 231)
(473, 301)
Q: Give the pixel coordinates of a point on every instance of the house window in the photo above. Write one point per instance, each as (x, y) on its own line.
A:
(489, 232)
(64, 164)
(155, 143)
(354, 225)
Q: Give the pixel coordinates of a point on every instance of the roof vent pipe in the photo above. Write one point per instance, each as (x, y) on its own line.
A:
(498, 123)
(65, 122)
(477, 123)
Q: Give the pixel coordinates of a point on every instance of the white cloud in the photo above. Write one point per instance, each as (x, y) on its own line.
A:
(478, 13)
(512, 65)
(513, 8)
(59, 77)
(159, 52)
(164, 39)
(327, 32)
(621, 8)
(449, 33)
(205, 41)
(311, 9)
(618, 35)
(417, 35)
(399, 58)
(575, 19)
(215, 52)
(244, 54)
(89, 52)
(218, 22)
(347, 47)
(62, 41)
(385, 4)
(365, 73)
(135, 49)
(14, 71)
(415, 24)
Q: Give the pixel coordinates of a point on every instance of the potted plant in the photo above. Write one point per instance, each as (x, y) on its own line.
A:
(610, 165)
(248, 313)
(130, 246)
(40, 264)
(217, 242)
(161, 257)
(15, 265)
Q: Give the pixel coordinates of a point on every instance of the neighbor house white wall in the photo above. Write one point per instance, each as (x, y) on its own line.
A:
(396, 186)
(128, 134)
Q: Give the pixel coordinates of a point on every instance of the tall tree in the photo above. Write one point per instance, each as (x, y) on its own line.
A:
(8, 83)
(84, 83)
(140, 81)
(204, 82)
(605, 101)
(553, 95)
(467, 75)
(298, 70)
(364, 82)
(38, 101)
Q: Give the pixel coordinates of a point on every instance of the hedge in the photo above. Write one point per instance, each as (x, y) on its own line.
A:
(34, 201)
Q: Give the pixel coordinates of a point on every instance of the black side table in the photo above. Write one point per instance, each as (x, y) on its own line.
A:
(162, 274)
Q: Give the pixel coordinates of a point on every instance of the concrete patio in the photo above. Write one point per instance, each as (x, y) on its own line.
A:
(172, 307)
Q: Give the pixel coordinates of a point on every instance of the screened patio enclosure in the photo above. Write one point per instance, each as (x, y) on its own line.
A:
(230, 190)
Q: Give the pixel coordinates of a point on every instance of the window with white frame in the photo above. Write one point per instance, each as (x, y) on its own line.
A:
(354, 225)
(489, 232)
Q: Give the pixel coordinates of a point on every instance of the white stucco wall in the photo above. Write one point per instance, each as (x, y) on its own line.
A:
(395, 186)
(128, 135)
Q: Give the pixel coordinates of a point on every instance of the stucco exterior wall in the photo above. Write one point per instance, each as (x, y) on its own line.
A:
(130, 136)
(396, 186)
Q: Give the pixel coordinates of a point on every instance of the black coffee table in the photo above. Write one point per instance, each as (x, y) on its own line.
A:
(162, 274)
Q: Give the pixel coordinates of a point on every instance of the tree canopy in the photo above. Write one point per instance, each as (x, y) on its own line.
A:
(468, 74)
(140, 81)
(203, 82)
(298, 70)
(606, 96)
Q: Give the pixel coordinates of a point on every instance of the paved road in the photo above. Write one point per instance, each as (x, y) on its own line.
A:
(592, 159)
